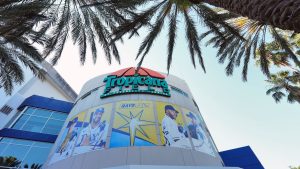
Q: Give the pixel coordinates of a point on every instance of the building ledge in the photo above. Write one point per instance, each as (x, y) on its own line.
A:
(27, 135)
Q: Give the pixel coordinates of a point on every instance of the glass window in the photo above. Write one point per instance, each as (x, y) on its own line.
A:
(28, 152)
(18, 151)
(35, 124)
(53, 127)
(40, 120)
(2, 147)
(21, 121)
(43, 144)
(30, 110)
(21, 142)
(36, 155)
(59, 116)
(5, 140)
(42, 113)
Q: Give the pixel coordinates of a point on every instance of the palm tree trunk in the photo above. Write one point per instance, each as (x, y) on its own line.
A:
(284, 14)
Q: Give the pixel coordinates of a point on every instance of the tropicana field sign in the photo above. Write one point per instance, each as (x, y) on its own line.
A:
(127, 81)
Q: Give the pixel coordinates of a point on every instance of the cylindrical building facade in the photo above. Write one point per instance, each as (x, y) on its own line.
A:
(134, 117)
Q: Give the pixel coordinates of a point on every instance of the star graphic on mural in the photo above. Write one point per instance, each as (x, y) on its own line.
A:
(134, 124)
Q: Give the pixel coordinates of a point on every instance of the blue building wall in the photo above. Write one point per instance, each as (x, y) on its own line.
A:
(242, 157)
(27, 144)
(27, 135)
(47, 103)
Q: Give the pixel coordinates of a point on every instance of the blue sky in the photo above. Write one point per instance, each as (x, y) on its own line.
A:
(237, 113)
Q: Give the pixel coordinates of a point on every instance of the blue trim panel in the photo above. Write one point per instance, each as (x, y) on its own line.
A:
(242, 157)
(27, 135)
(47, 103)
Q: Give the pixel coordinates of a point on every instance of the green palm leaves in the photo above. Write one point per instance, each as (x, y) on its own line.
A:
(86, 25)
(33, 166)
(9, 162)
(268, 46)
(50, 23)
(158, 13)
(285, 84)
(100, 23)
(238, 39)
(234, 50)
(12, 162)
(16, 41)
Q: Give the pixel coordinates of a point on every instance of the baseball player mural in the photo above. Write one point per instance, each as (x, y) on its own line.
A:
(172, 128)
(197, 132)
(95, 129)
(68, 139)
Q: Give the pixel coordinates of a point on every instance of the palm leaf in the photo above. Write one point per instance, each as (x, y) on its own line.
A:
(172, 36)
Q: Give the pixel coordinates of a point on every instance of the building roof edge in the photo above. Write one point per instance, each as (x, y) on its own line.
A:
(56, 78)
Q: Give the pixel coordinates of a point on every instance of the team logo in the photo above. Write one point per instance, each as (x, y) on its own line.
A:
(130, 80)
(134, 124)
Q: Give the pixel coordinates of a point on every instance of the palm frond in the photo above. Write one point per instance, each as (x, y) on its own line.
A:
(274, 89)
(10, 71)
(172, 36)
(148, 41)
(193, 40)
(16, 41)
(86, 24)
(254, 44)
(137, 22)
(277, 96)
(284, 45)
(284, 84)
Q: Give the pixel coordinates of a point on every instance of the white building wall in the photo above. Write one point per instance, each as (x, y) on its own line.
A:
(4, 98)
(54, 86)
(43, 88)
(34, 86)
(14, 103)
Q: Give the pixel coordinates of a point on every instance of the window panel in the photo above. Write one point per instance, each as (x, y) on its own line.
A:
(21, 142)
(21, 121)
(59, 116)
(42, 113)
(53, 127)
(35, 124)
(40, 120)
(29, 110)
(43, 144)
(36, 155)
(6, 140)
(2, 147)
(18, 151)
